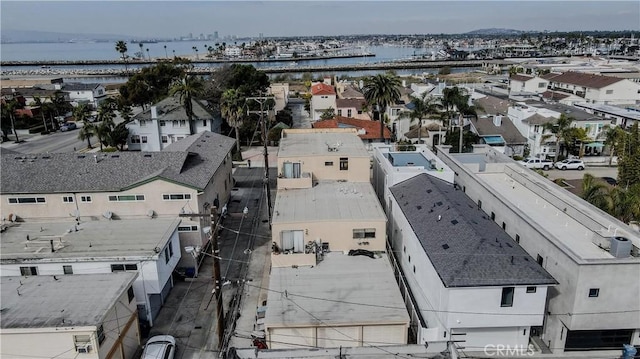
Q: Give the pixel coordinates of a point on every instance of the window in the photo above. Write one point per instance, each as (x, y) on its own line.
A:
(609, 92)
(67, 199)
(339, 112)
(100, 334)
(479, 204)
(26, 200)
(349, 113)
(594, 292)
(123, 267)
(204, 123)
(328, 163)
(364, 233)
(176, 196)
(517, 238)
(292, 241)
(187, 228)
(171, 248)
(414, 269)
(292, 169)
(67, 269)
(163, 123)
(27, 271)
(166, 255)
(130, 294)
(135, 139)
(144, 139)
(541, 85)
(143, 123)
(540, 260)
(507, 297)
(493, 216)
(504, 226)
(164, 139)
(531, 289)
(85, 199)
(126, 198)
(344, 163)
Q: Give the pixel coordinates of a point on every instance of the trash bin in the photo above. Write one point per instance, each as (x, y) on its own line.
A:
(628, 351)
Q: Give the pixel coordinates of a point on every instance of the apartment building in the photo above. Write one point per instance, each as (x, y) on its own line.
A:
(519, 83)
(189, 176)
(593, 256)
(598, 89)
(69, 316)
(166, 122)
(149, 247)
(327, 224)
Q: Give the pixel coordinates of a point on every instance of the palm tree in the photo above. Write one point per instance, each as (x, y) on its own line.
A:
(81, 113)
(148, 55)
(382, 90)
(38, 102)
(11, 107)
(102, 132)
(595, 191)
(85, 133)
(231, 110)
(106, 115)
(625, 203)
(165, 52)
(613, 135)
(121, 47)
(188, 88)
(141, 50)
(422, 106)
(196, 50)
(558, 129)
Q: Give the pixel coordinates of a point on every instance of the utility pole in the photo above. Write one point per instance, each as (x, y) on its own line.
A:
(267, 187)
(216, 268)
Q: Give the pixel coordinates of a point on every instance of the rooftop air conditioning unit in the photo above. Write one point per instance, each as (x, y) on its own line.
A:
(84, 348)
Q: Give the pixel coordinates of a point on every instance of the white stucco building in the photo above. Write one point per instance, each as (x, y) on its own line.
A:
(323, 97)
(593, 88)
(81, 93)
(519, 83)
(593, 256)
(69, 316)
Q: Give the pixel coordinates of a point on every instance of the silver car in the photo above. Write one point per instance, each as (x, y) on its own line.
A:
(160, 347)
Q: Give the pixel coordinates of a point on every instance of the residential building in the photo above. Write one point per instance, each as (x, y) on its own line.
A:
(623, 117)
(352, 108)
(29, 94)
(69, 316)
(85, 93)
(280, 93)
(347, 91)
(148, 247)
(189, 176)
(368, 131)
(167, 122)
(470, 281)
(323, 97)
(593, 88)
(325, 208)
(519, 83)
(593, 256)
(308, 306)
(306, 156)
(494, 128)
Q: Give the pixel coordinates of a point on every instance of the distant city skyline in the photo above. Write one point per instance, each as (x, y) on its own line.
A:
(172, 19)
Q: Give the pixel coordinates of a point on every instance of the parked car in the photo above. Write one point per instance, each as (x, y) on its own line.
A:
(68, 126)
(570, 165)
(160, 346)
(536, 163)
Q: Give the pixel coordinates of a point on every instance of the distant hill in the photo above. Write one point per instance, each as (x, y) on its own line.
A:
(495, 31)
(10, 35)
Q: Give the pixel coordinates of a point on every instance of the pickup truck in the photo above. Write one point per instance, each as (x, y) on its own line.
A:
(537, 163)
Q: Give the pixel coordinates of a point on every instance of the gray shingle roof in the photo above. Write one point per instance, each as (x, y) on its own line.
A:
(507, 130)
(191, 162)
(465, 246)
(78, 86)
(170, 109)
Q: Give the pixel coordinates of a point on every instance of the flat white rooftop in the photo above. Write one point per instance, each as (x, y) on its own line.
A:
(93, 239)
(44, 301)
(328, 201)
(303, 143)
(340, 290)
(564, 220)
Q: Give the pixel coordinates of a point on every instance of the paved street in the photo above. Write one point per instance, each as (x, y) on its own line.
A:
(596, 171)
(301, 118)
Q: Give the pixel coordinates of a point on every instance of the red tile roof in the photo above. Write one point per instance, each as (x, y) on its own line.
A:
(322, 89)
(521, 78)
(585, 80)
(370, 128)
(554, 95)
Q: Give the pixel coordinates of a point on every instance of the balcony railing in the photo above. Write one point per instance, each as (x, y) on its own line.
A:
(304, 181)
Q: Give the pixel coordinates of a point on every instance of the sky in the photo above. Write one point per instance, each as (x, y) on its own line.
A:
(169, 19)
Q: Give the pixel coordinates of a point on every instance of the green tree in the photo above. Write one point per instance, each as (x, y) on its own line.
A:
(560, 130)
(381, 91)
(452, 138)
(613, 139)
(232, 111)
(37, 101)
(328, 114)
(102, 132)
(81, 113)
(625, 203)
(423, 106)
(188, 88)
(629, 158)
(595, 191)
(121, 47)
(8, 113)
(453, 101)
(86, 131)
(118, 136)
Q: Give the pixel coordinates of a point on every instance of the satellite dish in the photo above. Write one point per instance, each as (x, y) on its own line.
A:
(12, 217)
(107, 214)
(151, 213)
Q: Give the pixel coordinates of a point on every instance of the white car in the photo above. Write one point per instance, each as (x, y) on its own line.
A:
(160, 347)
(570, 165)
